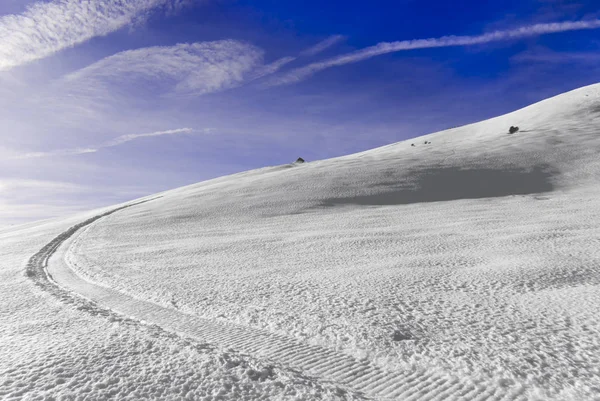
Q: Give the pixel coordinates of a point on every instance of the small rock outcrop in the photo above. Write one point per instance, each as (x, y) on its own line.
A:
(512, 129)
(300, 160)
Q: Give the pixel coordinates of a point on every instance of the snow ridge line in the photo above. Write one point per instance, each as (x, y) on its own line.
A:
(318, 362)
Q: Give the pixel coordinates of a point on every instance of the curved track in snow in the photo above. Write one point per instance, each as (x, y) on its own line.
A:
(56, 277)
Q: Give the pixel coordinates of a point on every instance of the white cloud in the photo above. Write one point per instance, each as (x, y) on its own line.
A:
(301, 73)
(275, 66)
(272, 67)
(323, 45)
(196, 68)
(48, 27)
(113, 142)
(128, 138)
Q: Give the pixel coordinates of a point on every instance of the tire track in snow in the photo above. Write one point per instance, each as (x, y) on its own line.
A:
(318, 362)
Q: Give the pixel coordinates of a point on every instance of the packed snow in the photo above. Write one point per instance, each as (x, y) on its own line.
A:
(467, 267)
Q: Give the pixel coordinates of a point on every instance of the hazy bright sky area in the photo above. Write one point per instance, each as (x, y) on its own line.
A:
(103, 101)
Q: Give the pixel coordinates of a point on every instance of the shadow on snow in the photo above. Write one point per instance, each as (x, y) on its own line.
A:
(451, 183)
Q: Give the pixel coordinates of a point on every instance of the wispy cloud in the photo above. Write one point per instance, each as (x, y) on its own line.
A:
(323, 45)
(114, 142)
(128, 138)
(183, 69)
(48, 27)
(196, 68)
(301, 73)
(271, 68)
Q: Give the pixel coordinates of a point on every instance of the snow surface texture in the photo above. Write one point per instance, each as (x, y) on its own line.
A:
(56, 345)
(465, 268)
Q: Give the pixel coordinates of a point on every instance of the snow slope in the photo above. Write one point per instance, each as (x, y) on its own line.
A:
(55, 345)
(467, 268)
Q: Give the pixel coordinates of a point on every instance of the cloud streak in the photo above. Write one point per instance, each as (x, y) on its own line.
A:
(112, 143)
(48, 27)
(196, 68)
(323, 45)
(272, 68)
(301, 73)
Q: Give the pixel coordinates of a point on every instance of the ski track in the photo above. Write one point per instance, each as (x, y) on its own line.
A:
(318, 362)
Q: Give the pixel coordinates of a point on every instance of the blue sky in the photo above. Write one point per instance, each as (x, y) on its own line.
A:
(108, 100)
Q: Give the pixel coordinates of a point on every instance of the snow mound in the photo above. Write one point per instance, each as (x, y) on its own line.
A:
(554, 150)
(472, 256)
(459, 255)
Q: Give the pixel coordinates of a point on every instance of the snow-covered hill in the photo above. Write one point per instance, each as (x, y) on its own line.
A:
(463, 268)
